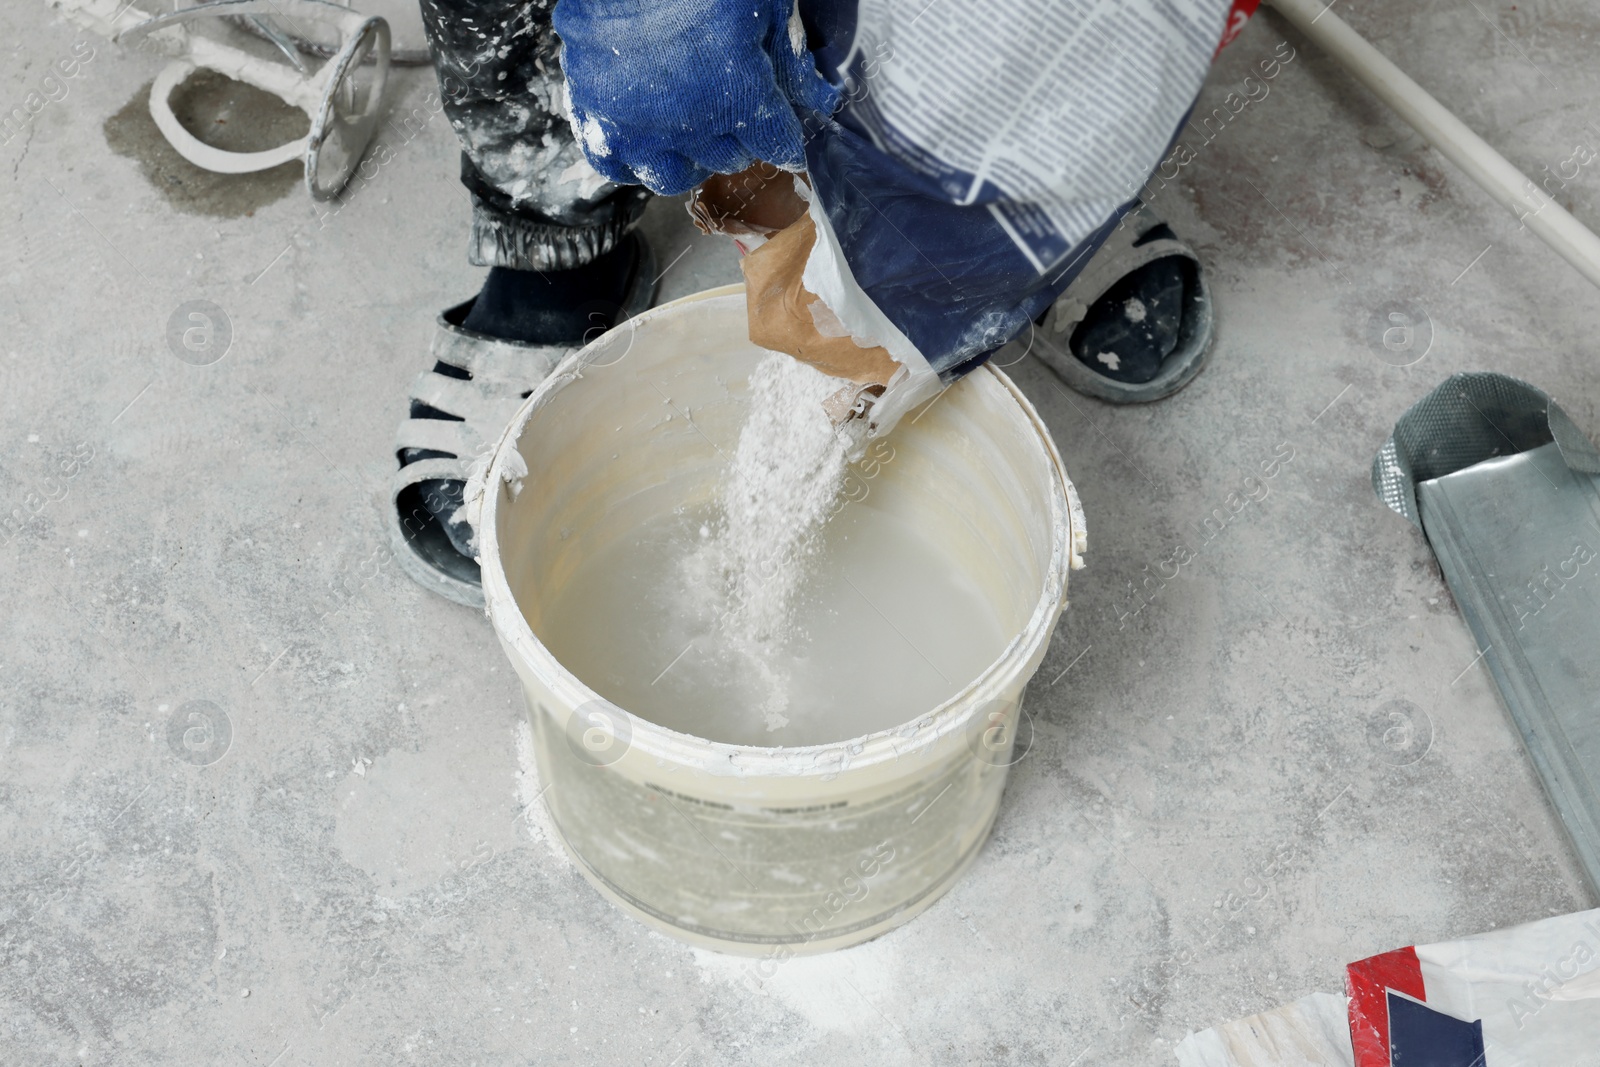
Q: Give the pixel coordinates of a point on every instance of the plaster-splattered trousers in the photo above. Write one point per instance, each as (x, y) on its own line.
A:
(536, 202)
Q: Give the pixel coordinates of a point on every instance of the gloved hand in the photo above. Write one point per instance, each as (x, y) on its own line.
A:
(665, 93)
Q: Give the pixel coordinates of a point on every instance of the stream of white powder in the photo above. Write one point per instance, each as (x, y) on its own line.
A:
(774, 501)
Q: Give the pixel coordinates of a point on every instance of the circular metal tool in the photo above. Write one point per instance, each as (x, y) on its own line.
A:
(408, 40)
(342, 97)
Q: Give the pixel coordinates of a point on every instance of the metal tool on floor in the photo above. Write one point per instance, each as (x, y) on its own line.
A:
(1515, 191)
(407, 38)
(342, 96)
(1507, 491)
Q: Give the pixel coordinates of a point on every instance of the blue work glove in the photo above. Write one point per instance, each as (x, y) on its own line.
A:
(665, 93)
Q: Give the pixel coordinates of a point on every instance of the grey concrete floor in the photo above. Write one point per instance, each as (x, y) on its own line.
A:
(1217, 813)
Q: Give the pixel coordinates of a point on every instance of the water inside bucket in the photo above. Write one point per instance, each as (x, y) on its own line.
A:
(888, 624)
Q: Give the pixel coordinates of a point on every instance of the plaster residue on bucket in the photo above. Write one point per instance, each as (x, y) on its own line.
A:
(533, 815)
(782, 613)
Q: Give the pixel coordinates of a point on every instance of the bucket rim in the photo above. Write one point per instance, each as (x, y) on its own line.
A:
(950, 717)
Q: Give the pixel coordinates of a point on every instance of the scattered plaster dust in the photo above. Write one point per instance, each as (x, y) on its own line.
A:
(834, 992)
(797, 31)
(594, 138)
(647, 176)
(1134, 310)
(588, 180)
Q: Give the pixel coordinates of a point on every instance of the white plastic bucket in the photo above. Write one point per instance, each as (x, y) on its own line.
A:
(747, 849)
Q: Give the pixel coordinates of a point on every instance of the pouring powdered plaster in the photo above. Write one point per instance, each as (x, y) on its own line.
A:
(781, 613)
(784, 479)
(777, 494)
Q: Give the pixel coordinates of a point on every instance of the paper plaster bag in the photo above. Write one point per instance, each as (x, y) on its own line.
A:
(802, 299)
